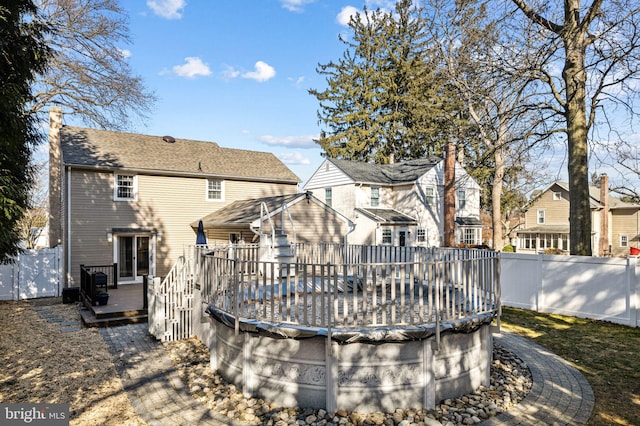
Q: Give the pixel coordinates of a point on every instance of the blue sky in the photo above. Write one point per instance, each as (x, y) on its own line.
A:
(237, 72)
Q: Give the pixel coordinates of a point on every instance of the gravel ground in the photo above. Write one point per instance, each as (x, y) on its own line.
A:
(48, 357)
(510, 383)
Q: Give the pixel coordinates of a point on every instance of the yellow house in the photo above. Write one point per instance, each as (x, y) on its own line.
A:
(615, 224)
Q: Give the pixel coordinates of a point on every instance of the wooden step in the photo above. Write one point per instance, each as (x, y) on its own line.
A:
(90, 320)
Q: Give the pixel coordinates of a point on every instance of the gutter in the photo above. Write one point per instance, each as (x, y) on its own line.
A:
(155, 172)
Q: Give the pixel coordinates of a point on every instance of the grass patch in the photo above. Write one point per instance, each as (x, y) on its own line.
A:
(608, 355)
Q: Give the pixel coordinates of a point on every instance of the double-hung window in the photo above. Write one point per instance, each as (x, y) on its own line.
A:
(375, 196)
(386, 236)
(462, 199)
(125, 187)
(624, 241)
(328, 196)
(421, 235)
(214, 190)
(430, 196)
(541, 214)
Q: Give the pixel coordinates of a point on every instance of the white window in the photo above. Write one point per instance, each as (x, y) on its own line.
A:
(375, 196)
(214, 190)
(462, 199)
(125, 187)
(328, 196)
(234, 237)
(469, 236)
(624, 241)
(430, 195)
(540, 217)
(421, 235)
(557, 196)
(386, 236)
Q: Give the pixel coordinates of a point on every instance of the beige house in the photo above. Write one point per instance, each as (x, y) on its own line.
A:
(130, 199)
(399, 204)
(615, 224)
(302, 217)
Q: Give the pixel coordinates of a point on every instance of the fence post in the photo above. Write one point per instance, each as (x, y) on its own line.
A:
(115, 275)
(145, 285)
(634, 293)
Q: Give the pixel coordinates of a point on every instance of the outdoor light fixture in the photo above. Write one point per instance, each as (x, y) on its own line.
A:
(159, 236)
(109, 237)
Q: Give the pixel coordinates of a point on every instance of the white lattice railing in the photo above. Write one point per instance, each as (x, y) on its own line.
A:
(171, 302)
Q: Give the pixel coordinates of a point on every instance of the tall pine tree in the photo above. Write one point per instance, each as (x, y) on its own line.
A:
(383, 100)
(23, 54)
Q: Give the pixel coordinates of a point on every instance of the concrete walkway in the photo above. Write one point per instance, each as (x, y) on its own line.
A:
(560, 394)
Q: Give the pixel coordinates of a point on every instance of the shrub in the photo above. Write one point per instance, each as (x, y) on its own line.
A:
(509, 249)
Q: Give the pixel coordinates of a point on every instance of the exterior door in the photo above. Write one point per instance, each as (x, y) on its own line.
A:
(402, 238)
(133, 257)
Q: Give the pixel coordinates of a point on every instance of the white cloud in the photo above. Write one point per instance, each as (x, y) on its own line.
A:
(293, 158)
(229, 72)
(169, 9)
(126, 53)
(295, 5)
(305, 141)
(263, 72)
(297, 81)
(345, 15)
(193, 68)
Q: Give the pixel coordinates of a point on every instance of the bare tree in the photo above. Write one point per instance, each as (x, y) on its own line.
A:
(33, 223)
(597, 45)
(484, 62)
(89, 75)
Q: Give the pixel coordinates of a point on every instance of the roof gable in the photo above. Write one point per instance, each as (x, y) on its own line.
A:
(118, 150)
(594, 197)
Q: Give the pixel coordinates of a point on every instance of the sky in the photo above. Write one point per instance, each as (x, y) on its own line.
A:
(237, 72)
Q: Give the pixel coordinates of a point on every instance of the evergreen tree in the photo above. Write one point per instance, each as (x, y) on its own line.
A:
(23, 54)
(383, 100)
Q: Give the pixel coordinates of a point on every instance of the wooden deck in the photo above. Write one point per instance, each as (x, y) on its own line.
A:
(125, 306)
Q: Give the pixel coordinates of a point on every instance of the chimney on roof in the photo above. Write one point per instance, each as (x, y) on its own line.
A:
(169, 139)
(604, 219)
(450, 196)
(55, 177)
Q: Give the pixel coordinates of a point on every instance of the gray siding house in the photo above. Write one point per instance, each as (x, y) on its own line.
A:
(130, 199)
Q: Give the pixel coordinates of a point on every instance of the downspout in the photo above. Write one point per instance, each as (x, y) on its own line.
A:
(67, 244)
(604, 220)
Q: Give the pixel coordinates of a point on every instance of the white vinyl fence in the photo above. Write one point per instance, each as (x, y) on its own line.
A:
(588, 287)
(35, 273)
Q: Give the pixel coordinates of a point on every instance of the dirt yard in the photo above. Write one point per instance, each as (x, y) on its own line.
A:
(47, 359)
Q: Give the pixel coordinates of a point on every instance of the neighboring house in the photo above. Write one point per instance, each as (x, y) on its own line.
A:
(302, 217)
(130, 199)
(615, 224)
(398, 204)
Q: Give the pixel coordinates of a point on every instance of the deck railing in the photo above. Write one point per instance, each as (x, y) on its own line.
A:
(336, 286)
(94, 278)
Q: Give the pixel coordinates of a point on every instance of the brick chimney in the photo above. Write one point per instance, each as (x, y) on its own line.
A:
(55, 177)
(450, 196)
(604, 218)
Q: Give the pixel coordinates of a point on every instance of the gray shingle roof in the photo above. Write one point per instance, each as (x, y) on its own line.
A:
(388, 216)
(386, 174)
(243, 212)
(102, 148)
